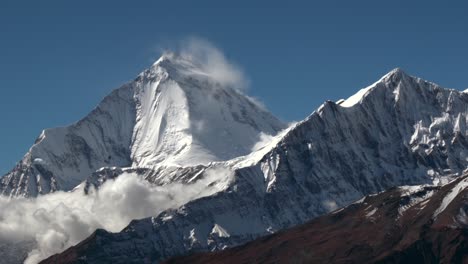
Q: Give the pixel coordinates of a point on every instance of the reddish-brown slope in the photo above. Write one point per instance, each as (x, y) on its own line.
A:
(355, 235)
(370, 231)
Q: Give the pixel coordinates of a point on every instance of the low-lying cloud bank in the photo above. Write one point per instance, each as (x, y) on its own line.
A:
(59, 220)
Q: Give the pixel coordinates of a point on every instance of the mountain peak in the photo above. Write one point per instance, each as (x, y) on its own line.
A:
(164, 57)
(395, 74)
(396, 71)
(171, 61)
(180, 112)
(181, 67)
(174, 58)
(390, 82)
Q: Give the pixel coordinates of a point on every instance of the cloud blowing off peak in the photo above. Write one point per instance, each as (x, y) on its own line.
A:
(211, 60)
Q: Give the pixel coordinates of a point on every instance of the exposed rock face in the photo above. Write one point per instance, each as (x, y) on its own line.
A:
(417, 224)
(399, 131)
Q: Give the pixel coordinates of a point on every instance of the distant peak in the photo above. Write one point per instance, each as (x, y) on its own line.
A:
(396, 73)
(168, 58)
(397, 70)
(174, 65)
(177, 61)
(164, 57)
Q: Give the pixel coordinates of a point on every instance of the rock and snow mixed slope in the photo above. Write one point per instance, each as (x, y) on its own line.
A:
(395, 226)
(399, 131)
(173, 114)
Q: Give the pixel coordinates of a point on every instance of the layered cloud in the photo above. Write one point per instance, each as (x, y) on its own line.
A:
(54, 222)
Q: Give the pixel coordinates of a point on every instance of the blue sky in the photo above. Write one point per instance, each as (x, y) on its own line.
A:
(59, 58)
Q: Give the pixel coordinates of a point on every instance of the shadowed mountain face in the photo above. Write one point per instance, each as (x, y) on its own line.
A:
(417, 224)
(399, 131)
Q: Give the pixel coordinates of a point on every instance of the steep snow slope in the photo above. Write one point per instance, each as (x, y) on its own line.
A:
(172, 114)
(185, 118)
(400, 131)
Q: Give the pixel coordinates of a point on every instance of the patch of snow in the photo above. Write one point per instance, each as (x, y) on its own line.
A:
(423, 204)
(166, 218)
(408, 191)
(193, 237)
(452, 194)
(337, 211)
(360, 200)
(39, 161)
(371, 213)
(219, 231)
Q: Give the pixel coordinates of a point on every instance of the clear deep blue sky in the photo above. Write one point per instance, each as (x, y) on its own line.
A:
(59, 58)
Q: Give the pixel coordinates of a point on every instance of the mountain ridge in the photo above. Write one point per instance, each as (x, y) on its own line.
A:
(394, 226)
(177, 123)
(405, 131)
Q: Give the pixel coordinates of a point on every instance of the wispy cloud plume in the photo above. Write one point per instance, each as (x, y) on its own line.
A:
(211, 60)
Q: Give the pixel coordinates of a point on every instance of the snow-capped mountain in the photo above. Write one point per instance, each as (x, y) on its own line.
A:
(407, 224)
(401, 130)
(173, 114)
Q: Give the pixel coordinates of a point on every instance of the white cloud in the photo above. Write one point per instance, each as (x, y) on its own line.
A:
(212, 61)
(264, 140)
(59, 220)
(330, 205)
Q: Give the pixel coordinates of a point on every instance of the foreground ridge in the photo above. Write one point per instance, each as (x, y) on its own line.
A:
(396, 226)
